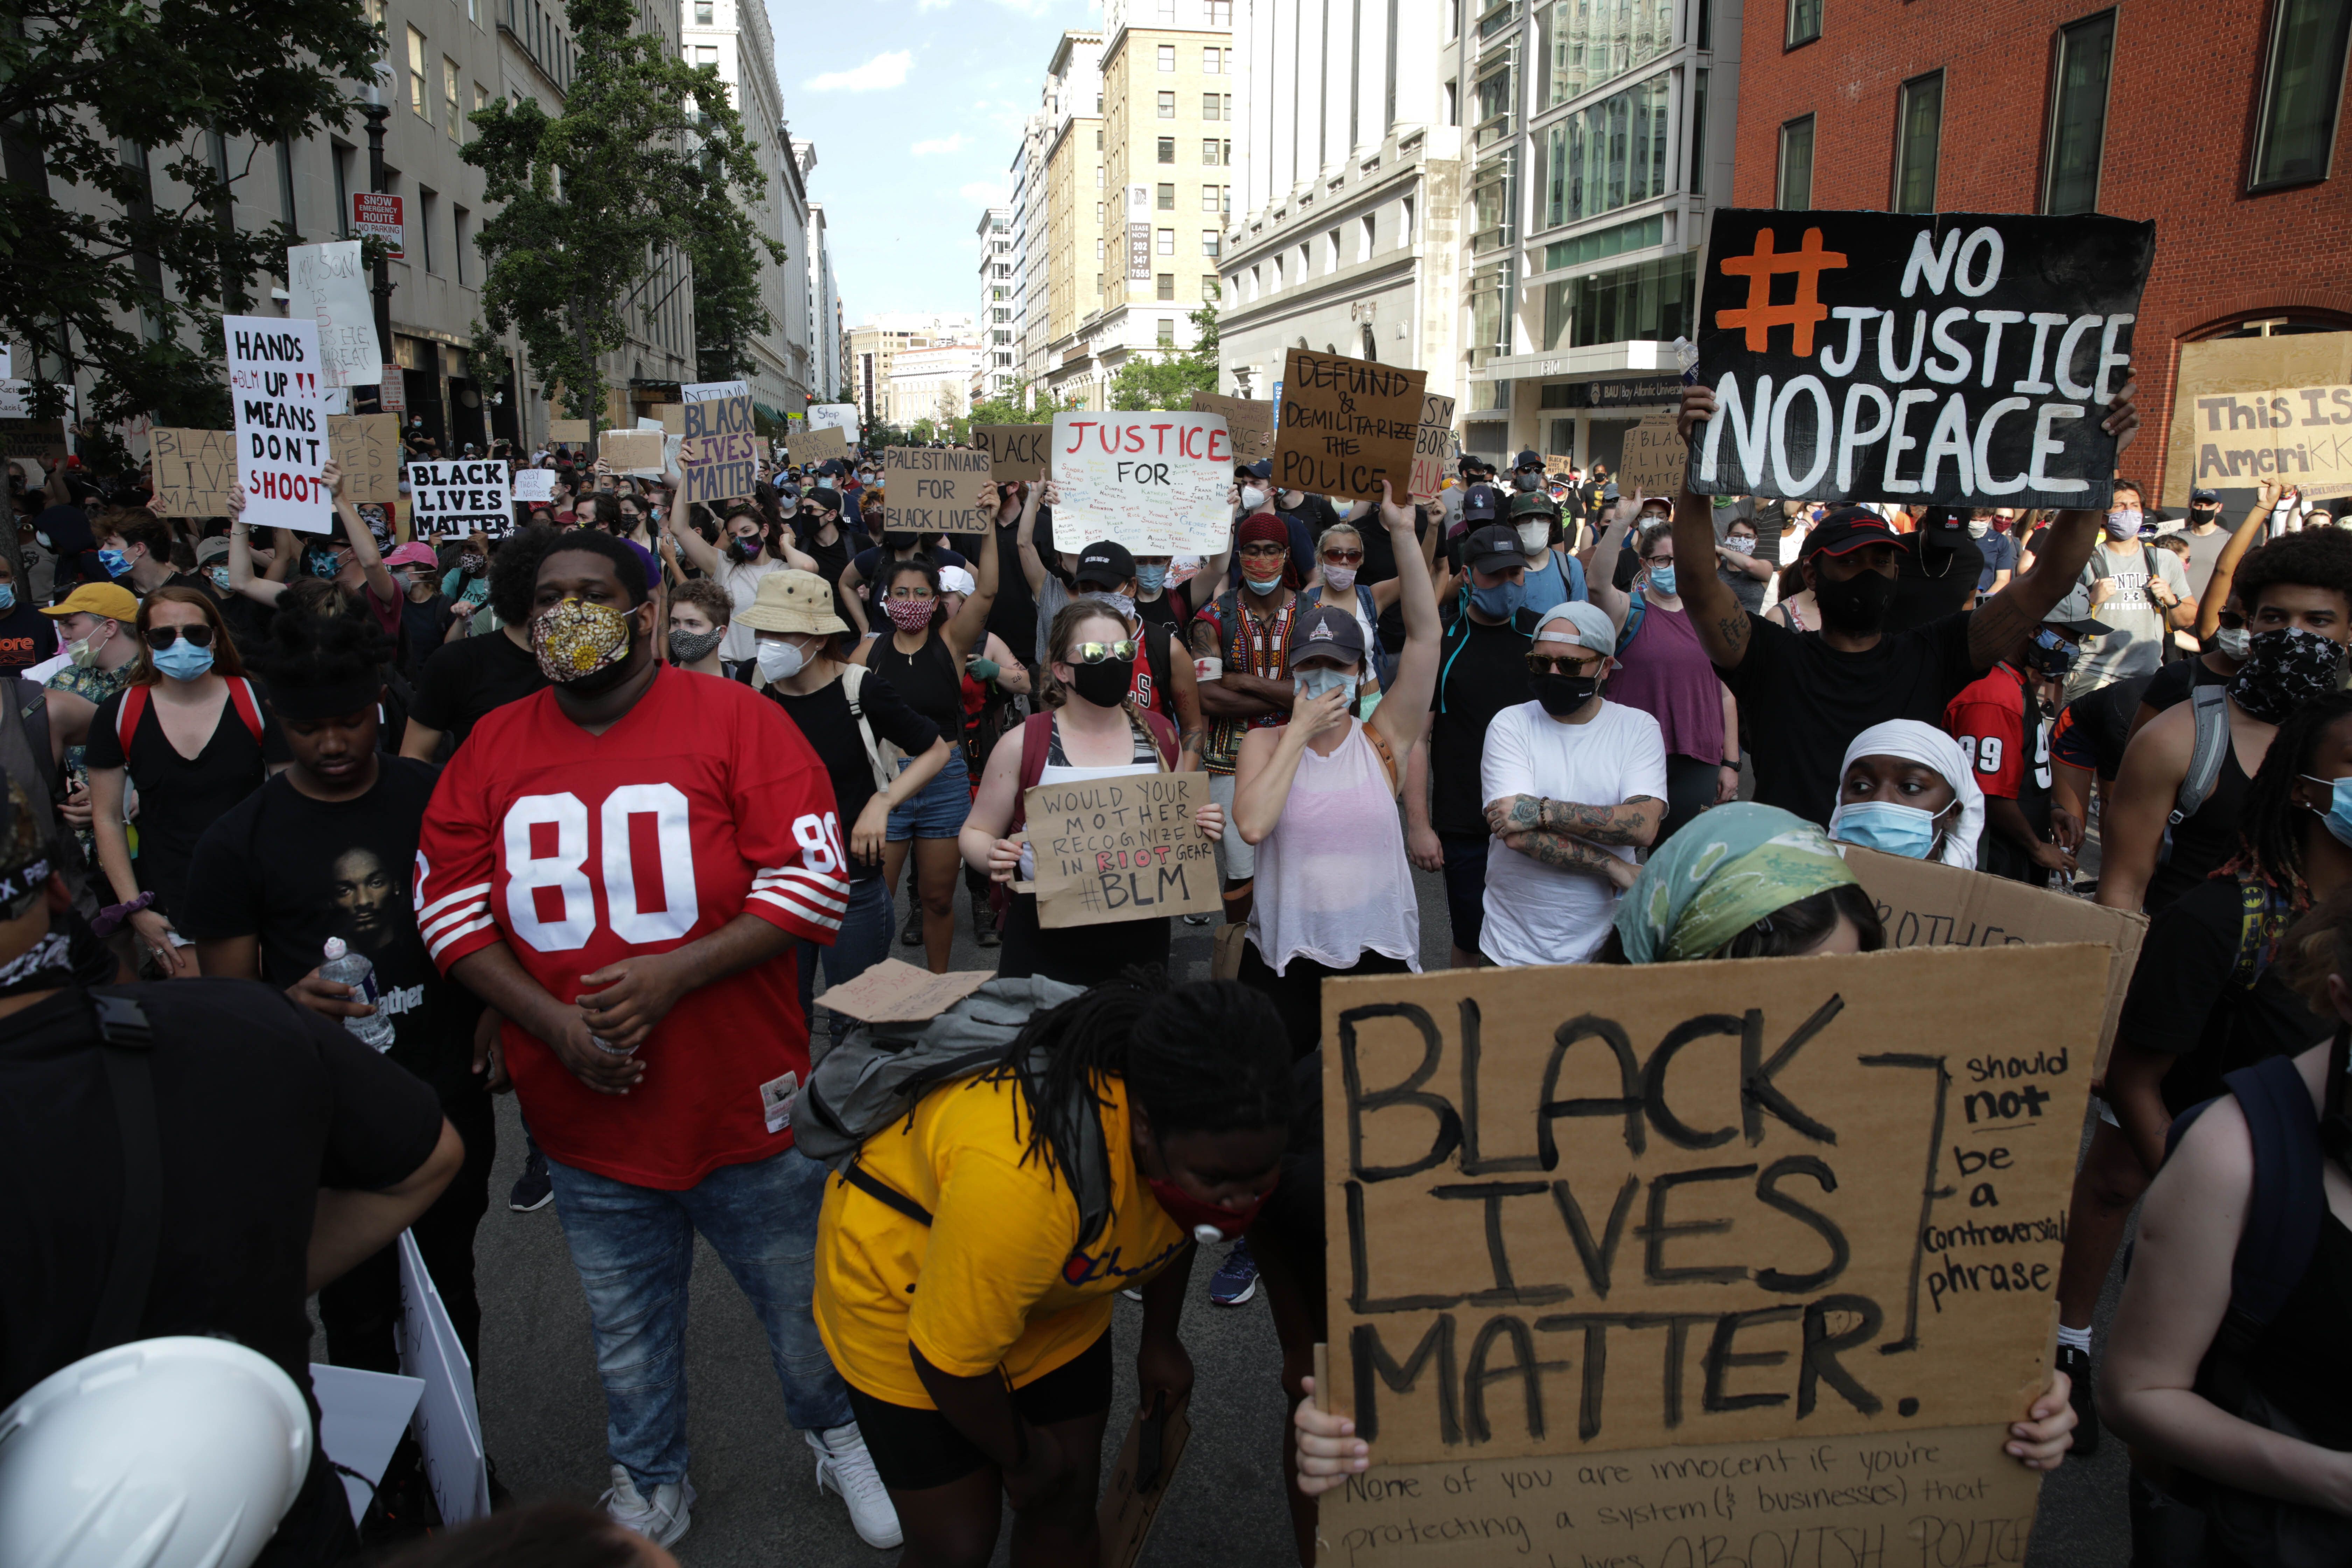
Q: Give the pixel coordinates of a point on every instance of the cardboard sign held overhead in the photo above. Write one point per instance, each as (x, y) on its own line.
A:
(941, 490)
(1346, 425)
(1951, 359)
(1121, 850)
(367, 448)
(1558, 462)
(1433, 446)
(449, 501)
(1783, 1200)
(1654, 461)
(1247, 419)
(671, 416)
(274, 386)
(534, 485)
(194, 470)
(568, 432)
(817, 443)
(1016, 452)
(42, 438)
(720, 455)
(1155, 482)
(631, 451)
(2213, 444)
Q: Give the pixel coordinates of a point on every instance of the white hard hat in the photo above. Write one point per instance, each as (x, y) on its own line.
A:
(168, 1453)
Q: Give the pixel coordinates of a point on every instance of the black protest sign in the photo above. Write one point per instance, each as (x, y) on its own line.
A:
(449, 501)
(1345, 425)
(1947, 359)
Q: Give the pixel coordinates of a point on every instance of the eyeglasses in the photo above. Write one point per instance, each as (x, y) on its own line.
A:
(1548, 664)
(162, 637)
(1344, 557)
(1263, 549)
(1104, 652)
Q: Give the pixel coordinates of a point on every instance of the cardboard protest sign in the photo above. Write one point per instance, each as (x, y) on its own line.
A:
(1014, 451)
(1433, 446)
(281, 428)
(1121, 850)
(366, 446)
(1248, 421)
(1698, 1205)
(816, 444)
(568, 432)
(1656, 456)
(1345, 425)
(841, 417)
(2230, 429)
(941, 490)
(1947, 359)
(1138, 1483)
(328, 284)
(1156, 482)
(451, 500)
(1558, 462)
(670, 417)
(720, 454)
(194, 470)
(631, 451)
(896, 992)
(42, 438)
(1922, 904)
(534, 484)
(448, 1423)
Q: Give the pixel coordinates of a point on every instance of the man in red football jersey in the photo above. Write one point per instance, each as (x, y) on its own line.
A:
(620, 864)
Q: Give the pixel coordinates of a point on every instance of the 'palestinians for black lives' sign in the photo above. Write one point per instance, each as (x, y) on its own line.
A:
(1947, 359)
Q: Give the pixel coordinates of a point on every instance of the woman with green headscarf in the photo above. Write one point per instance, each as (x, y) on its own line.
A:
(1742, 881)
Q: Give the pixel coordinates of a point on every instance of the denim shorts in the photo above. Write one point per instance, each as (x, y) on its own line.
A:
(939, 808)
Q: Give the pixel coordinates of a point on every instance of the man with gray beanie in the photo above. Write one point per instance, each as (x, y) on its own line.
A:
(1573, 783)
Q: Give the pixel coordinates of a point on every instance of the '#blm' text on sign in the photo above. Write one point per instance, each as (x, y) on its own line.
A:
(449, 501)
(720, 458)
(1121, 850)
(281, 421)
(1155, 482)
(1953, 359)
(1760, 1200)
(937, 490)
(1345, 425)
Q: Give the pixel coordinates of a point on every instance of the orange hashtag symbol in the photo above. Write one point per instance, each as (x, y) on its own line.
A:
(1801, 314)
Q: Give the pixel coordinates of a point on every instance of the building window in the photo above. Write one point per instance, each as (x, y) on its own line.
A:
(1371, 237)
(418, 88)
(1452, 103)
(1207, 242)
(1489, 296)
(1099, 250)
(706, 55)
(453, 119)
(1167, 242)
(1211, 62)
(1166, 200)
(1098, 215)
(1649, 302)
(1098, 174)
(1208, 106)
(1167, 149)
(1220, 13)
(1404, 229)
(1098, 146)
(1227, 100)
(1703, 30)
(1167, 106)
(342, 158)
(459, 217)
(1796, 183)
(1581, 45)
(1167, 327)
(1168, 56)
(2078, 116)
(1208, 203)
(1698, 132)
(1606, 155)
(424, 203)
(1919, 125)
(2302, 91)
(1209, 153)
(1167, 286)
(1495, 101)
(1492, 198)
(702, 10)
(1804, 22)
(285, 186)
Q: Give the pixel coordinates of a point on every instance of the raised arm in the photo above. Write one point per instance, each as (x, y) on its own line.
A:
(1714, 610)
(1024, 535)
(707, 559)
(363, 537)
(970, 626)
(1403, 712)
(1601, 574)
(2225, 566)
(241, 579)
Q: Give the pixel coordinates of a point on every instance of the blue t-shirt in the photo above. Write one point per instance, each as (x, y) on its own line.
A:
(1556, 582)
(1999, 555)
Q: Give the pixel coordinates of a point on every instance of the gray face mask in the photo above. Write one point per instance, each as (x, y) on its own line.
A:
(1979, 528)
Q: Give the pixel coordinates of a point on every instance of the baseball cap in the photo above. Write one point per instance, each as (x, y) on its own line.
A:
(1495, 548)
(111, 600)
(1575, 621)
(1262, 469)
(213, 549)
(2204, 498)
(1329, 631)
(1849, 529)
(1104, 564)
(1528, 459)
(1478, 503)
(414, 553)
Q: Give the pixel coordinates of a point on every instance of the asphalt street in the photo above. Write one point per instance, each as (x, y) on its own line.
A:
(543, 1414)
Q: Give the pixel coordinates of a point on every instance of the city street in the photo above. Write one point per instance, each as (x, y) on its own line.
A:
(756, 1504)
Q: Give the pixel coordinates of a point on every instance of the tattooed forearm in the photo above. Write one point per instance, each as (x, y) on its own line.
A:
(1563, 853)
(1632, 823)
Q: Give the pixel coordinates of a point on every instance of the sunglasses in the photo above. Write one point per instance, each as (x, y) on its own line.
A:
(160, 637)
(1344, 557)
(1104, 652)
(1548, 664)
(2231, 620)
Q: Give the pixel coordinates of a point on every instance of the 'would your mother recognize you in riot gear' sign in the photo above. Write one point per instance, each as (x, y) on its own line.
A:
(1948, 359)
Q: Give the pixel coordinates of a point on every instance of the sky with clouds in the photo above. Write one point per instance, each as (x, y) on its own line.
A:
(916, 112)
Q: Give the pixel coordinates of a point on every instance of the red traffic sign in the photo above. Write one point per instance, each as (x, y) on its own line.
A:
(381, 216)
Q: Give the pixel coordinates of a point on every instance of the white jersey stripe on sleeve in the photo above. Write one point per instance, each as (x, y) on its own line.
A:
(797, 909)
(437, 905)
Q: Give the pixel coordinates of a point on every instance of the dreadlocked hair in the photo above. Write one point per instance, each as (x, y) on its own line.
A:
(2269, 821)
(310, 652)
(2314, 558)
(1207, 1057)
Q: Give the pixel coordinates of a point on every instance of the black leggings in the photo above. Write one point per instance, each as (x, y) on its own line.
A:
(1297, 992)
(1691, 783)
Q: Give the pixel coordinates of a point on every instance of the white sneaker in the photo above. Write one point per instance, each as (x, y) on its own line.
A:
(663, 1518)
(843, 1466)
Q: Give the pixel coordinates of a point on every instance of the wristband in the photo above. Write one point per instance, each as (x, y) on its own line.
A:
(1731, 763)
(610, 1050)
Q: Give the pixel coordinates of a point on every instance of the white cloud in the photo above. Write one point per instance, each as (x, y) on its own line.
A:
(954, 144)
(923, 6)
(881, 71)
(984, 192)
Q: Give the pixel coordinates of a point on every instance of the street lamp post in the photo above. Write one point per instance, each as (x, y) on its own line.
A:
(373, 107)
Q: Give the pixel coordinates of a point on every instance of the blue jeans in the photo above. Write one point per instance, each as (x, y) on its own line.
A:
(634, 1247)
(939, 808)
(862, 942)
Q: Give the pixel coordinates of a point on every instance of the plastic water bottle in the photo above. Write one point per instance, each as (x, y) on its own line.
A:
(353, 969)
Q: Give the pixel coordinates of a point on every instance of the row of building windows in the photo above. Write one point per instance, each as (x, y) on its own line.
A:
(1213, 106)
(1164, 243)
(1214, 153)
(1213, 62)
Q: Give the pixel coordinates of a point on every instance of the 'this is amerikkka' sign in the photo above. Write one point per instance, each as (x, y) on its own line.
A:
(1950, 359)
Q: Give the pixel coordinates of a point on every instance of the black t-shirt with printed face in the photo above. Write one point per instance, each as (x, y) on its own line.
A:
(1801, 702)
(825, 723)
(179, 796)
(466, 678)
(1482, 671)
(294, 872)
(258, 1104)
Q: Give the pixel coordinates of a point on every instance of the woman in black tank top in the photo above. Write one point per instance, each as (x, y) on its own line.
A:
(922, 653)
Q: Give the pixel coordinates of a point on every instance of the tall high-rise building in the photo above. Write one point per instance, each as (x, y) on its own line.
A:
(733, 37)
(1075, 195)
(1025, 298)
(828, 346)
(993, 370)
(873, 349)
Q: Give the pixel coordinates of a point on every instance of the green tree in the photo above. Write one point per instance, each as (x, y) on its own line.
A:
(212, 90)
(1170, 379)
(647, 161)
(1023, 404)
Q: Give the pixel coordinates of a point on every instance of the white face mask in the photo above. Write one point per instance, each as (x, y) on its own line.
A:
(781, 660)
(1252, 501)
(1534, 536)
(2233, 641)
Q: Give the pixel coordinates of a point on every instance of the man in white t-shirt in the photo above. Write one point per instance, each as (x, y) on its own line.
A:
(1573, 785)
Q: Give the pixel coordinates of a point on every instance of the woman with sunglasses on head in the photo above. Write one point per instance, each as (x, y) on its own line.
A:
(194, 733)
(1090, 729)
(1338, 558)
(922, 656)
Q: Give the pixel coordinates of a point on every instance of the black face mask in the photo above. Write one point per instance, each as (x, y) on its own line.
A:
(897, 540)
(1105, 684)
(1858, 605)
(1562, 695)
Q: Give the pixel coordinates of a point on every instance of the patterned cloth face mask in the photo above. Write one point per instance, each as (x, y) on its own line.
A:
(574, 640)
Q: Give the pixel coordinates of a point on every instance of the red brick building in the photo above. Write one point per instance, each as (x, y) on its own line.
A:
(2221, 120)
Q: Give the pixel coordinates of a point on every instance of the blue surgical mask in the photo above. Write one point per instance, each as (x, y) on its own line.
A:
(117, 564)
(1263, 585)
(184, 660)
(1152, 579)
(219, 574)
(7, 597)
(1499, 603)
(1316, 682)
(1889, 828)
(2338, 816)
(1662, 578)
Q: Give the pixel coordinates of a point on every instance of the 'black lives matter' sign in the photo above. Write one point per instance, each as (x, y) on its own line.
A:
(1951, 359)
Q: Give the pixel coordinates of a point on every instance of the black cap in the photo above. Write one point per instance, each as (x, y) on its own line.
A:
(1262, 469)
(1478, 503)
(1328, 631)
(2204, 498)
(1849, 529)
(1104, 564)
(1495, 548)
(1529, 459)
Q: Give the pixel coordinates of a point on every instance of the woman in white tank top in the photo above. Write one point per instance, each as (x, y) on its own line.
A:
(1317, 797)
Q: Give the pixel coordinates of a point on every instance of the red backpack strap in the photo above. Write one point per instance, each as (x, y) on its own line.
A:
(127, 717)
(1036, 745)
(1163, 736)
(249, 707)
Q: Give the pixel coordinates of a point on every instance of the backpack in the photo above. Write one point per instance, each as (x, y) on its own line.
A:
(2211, 714)
(1636, 607)
(135, 708)
(880, 1072)
(852, 682)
